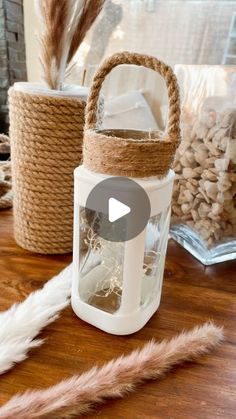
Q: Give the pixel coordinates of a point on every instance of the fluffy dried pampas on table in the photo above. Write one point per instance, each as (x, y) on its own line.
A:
(76, 396)
(24, 321)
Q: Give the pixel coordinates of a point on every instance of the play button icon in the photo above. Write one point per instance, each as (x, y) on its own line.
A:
(117, 209)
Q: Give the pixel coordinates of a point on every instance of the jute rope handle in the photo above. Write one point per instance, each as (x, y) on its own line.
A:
(173, 129)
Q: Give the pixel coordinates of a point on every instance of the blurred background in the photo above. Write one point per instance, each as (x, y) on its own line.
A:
(176, 31)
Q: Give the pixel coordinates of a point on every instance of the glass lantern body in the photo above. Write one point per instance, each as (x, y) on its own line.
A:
(204, 197)
(117, 285)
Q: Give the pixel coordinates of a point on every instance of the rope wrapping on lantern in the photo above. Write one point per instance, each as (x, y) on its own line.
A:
(128, 152)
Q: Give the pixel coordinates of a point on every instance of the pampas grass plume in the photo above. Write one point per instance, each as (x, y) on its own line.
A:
(22, 322)
(63, 26)
(77, 395)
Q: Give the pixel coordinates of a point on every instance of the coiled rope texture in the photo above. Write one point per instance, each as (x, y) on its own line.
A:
(46, 146)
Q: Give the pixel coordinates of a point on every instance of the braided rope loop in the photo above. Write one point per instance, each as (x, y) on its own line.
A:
(128, 152)
(140, 60)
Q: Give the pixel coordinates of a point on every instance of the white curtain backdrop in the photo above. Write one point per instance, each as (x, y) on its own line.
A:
(177, 31)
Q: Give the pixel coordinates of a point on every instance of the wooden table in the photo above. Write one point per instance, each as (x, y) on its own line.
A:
(192, 294)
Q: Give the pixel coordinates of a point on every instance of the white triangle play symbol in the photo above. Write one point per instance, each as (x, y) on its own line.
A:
(117, 209)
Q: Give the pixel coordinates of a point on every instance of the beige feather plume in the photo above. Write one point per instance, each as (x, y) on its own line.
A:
(63, 26)
(76, 396)
(54, 17)
(90, 12)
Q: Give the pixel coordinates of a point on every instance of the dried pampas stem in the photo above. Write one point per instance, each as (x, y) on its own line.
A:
(54, 17)
(90, 12)
(22, 322)
(76, 396)
(64, 25)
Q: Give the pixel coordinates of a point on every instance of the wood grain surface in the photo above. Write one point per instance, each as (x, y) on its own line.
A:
(191, 295)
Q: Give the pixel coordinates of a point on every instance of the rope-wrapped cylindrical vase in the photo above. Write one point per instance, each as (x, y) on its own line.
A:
(46, 133)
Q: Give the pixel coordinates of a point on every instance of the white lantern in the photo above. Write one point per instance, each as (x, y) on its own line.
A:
(117, 281)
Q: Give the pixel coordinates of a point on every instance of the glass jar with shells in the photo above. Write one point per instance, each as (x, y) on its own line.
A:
(204, 198)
